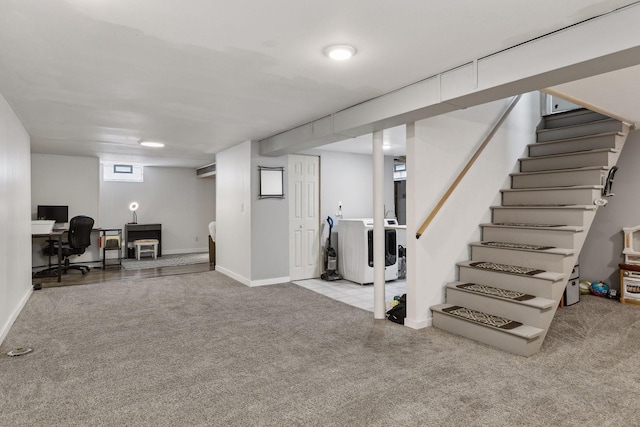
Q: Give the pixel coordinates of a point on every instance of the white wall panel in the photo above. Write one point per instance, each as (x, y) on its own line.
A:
(15, 218)
(442, 147)
(233, 212)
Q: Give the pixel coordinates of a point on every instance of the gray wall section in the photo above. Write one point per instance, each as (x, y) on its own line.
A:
(343, 177)
(602, 250)
(173, 197)
(269, 223)
(66, 180)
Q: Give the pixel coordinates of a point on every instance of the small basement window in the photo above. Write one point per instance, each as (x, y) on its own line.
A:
(122, 172)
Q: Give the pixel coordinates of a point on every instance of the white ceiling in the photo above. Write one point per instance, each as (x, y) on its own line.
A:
(93, 77)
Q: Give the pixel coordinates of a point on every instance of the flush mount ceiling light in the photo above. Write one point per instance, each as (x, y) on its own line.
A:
(340, 52)
(152, 144)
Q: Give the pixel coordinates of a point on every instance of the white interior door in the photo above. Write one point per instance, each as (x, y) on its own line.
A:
(304, 212)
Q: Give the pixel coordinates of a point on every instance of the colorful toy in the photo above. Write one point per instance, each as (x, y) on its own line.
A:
(600, 289)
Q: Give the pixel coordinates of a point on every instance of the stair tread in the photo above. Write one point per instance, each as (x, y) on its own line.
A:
(575, 138)
(587, 168)
(534, 301)
(577, 207)
(553, 250)
(570, 228)
(578, 125)
(551, 156)
(523, 331)
(545, 275)
(566, 187)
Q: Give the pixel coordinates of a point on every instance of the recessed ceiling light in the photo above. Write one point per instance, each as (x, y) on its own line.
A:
(152, 144)
(340, 52)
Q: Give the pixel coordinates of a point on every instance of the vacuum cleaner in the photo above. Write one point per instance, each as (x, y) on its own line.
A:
(330, 258)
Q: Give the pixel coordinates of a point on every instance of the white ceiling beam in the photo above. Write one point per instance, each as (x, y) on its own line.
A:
(606, 43)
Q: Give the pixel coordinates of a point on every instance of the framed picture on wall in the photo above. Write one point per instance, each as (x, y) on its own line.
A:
(271, 182)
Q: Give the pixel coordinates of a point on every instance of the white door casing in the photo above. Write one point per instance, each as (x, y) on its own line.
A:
(304, 211)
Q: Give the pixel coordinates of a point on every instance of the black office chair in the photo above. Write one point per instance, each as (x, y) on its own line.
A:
(79, 236)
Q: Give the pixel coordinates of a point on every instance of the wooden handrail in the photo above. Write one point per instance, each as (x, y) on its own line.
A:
(470, 163)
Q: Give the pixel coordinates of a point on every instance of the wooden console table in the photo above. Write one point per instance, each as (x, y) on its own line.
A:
(134, 232)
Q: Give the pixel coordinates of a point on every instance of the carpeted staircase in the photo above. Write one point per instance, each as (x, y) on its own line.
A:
(508, 293)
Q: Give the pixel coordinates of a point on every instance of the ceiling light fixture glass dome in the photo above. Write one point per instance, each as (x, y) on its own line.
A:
(152, 144)
(340, 52)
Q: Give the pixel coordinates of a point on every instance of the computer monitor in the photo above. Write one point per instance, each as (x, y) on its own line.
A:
(60, 214)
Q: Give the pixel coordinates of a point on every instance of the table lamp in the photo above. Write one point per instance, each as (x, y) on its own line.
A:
(133, 207)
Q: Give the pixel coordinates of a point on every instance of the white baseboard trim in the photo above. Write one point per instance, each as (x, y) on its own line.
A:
(233, 275)
(418, 324)
(7, 326)
(266, 282)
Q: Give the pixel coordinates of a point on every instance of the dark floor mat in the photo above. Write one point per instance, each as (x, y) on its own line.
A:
(504, 268)
(497, 292)
(482, 318)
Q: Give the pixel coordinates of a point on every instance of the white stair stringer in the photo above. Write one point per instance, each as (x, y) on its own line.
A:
(542, 224)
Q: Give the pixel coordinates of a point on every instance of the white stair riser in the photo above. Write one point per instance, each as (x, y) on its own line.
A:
(585, 129)
(531, 236)
(573, 145)
(511, 310)
(542, 216)
(486, 335)
(513, 282)
(559, 179)
(571, 118)
(556, 196)
(579, 160)
(532, 259)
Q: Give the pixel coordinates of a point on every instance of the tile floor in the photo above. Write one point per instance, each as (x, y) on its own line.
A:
(360, 296)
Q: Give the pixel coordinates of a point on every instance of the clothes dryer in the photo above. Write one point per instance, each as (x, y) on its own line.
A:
(355, 250)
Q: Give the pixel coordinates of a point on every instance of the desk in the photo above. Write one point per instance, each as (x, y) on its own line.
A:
(55, 234)
(142, 231)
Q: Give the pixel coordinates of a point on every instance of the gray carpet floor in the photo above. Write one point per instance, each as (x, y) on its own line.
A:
(201, 349)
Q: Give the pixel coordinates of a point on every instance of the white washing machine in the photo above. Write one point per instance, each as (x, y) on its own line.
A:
(355, 250)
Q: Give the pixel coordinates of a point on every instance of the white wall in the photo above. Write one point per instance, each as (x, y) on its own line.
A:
(66, 180)
(439, 151)
(602, 250)
(173, 197)
(233, 212)
(15, 219)
(348, 178)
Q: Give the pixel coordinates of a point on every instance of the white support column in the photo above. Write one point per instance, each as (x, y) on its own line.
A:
(413, 298)
(379, 309)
